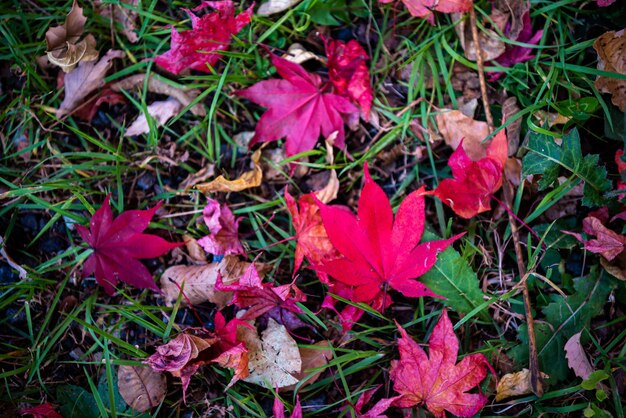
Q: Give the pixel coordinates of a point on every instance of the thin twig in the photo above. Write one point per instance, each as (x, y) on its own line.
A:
(481, 69)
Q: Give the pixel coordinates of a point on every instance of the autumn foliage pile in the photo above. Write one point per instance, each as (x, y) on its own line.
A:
(366, 256)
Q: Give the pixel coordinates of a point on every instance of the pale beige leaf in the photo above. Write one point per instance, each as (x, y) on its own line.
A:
(141, 387)
(275, 6)
(454, 126)
(195, 251)
(87, 77)
(298, 54)
(490, 44)
(514, 384)
(160, 111)
(577, 358)
(247, 180)
(274, 358)
(611, 49)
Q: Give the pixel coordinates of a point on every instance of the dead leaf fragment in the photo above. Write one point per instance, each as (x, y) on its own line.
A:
(298, 54)
(87, 77)
(312, 358)
(514, 384)
(158, 86)
(454, 126)
(141, 387)
(577, 358)
(195, 251)
(161, 111)
(247, 180)
(611, 49)
(509, 109)
(275, 6)
(63, 45)
(122, 15)
(274, 358)
(490, 44)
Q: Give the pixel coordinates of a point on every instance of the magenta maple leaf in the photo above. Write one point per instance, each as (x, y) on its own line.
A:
(299, 109)
(223, 227)
(118, 243)
(199, 48)
(378, 251)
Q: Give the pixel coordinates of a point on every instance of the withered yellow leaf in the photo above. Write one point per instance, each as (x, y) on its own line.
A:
(247, 180)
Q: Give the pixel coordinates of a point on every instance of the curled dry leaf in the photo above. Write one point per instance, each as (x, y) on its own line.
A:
(86, 78)
(122, 14)
(158, 86)
(195, 251)
(247, 180)
(274, 358)
(271, 7)
(63, 45)
(515, 384)
(160, 111)
(577, 358)
(199, 281)
(141, 387)
(455, 127)
(611, 49)
(299, 54)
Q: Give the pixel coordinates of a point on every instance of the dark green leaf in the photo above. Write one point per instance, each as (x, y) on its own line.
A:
(76, 402)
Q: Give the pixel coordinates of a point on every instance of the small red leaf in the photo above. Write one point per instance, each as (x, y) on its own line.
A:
(298, 109)
(200, 47)
(45, 410)
(117, 244)
(425, 8)
(435, 380)
(469, 193)
(223, 227)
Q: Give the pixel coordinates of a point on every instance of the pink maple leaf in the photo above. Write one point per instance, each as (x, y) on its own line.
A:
(117, 245)
(199, 48)
(299, 109)
(224, 230)
(425, 8)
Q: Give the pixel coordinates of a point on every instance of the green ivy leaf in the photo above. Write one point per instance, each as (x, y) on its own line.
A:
(453, 278)
(547, 158)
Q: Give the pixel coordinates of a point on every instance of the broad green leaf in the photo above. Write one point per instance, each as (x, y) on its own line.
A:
(547, 158)
(453, 278)
(76, 402)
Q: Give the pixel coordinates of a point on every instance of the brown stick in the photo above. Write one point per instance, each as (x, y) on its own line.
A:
(481, 70)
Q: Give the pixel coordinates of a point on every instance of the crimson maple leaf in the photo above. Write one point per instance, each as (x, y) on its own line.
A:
(118, 243)
(474, 183)
(435, 380)
(199, 48)
(223, 227)
(298, 109)
(45, 410)
(193, 348)
(259, 298)
(425, 8)
(376, 250)
(349, 74)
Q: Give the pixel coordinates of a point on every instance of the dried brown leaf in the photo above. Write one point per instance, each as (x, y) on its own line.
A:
(87, 77)
(122, 15)
(577, 358)
(490, 44)
(312, 358)
(514, 384)
(141, 387)
(611, 49)
(247, 180)
(454, 126)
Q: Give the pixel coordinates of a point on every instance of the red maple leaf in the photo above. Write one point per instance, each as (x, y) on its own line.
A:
(608, 243)
(377, 411)
(199, 48)
(279, 409)
(195, 347)
(435, 380)
(117, 244)
(298, 109)
(45, 410)
(376, 250)
(469, 192)
(425, 8)
(348, 72)
(223, 227)
(259, 298)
